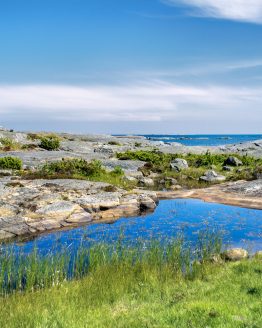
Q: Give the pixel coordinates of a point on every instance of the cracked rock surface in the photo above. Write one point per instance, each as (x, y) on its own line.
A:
(35, 206)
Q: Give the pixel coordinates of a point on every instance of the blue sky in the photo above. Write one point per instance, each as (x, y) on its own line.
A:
(132, 66)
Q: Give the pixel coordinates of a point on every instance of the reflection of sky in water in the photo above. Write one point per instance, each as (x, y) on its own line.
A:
(239, 226)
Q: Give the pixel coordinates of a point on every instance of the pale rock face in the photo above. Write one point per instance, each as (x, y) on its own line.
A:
(212, 176)
(179, 164)
(58, 209)
(146, 182)
(35, 206)
(236, 254)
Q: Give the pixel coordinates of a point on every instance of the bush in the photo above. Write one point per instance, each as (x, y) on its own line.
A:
(70, 167)
(9, 144)
(114, 143)
(9, 162)
(50, 143)
(117, 171)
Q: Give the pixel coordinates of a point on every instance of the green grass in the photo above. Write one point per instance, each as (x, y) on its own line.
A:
(150, 288)
(198, 164)
(82, 170)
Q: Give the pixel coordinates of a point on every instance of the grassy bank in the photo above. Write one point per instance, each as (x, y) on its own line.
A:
(160, 285)
(227, 295)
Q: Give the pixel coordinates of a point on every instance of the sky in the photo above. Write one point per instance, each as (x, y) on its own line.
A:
(131, 66)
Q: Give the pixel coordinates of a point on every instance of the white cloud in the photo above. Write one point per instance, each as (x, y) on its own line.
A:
(239, 10)
(148, 102)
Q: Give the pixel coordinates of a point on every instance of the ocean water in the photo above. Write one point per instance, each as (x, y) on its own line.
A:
(239, 227)
(205, 140)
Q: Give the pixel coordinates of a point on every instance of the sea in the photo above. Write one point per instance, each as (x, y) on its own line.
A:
(204, 139)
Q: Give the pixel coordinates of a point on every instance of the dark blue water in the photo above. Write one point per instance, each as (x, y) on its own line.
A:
(205, 140)
(238, 226)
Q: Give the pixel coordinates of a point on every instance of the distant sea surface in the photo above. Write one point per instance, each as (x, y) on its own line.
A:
(204, 140)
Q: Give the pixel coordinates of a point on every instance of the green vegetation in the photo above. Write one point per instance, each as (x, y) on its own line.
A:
(10, 162)
(80, 169)
(40, 135)
(120, 286)
(7, 144)
(114, 143)
(159, 162)
(19, 272)
(50, 143)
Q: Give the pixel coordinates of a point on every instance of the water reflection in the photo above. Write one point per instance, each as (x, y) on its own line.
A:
(239, 227)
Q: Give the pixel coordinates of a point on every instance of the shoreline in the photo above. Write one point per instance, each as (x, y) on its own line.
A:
(35, 206)
(128, 207)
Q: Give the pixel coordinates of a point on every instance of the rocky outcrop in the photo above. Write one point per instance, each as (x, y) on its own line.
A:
(212, 176)
(179, 164)
(34, 206)
(233, 161)
(240, 193)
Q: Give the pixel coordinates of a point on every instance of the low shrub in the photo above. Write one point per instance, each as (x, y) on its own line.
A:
(114, 143)
(71, 167)
(50, 143)
(8, 144)
(117, 171)
(10, 162)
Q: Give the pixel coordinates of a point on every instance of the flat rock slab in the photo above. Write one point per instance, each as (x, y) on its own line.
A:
(31, 207)
(234, 193)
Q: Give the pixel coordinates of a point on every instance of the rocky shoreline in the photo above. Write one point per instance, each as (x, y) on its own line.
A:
(31, 207)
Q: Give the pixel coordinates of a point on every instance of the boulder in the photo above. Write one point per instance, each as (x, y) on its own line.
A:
(235, 254)
(179, 164)
(146, 203)
(146, 182)
(233, 161)
(212, 176)
(227, 168)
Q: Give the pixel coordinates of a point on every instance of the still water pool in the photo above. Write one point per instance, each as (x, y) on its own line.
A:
(238, 226)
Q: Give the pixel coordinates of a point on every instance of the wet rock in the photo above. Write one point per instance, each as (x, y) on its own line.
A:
(179, 164)
(233, 161)
(146, 203)
(212, 176)
(235, 254)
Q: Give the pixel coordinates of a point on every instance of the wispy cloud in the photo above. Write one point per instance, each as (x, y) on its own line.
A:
(200, 70)
(148, 102)
(238, 10)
